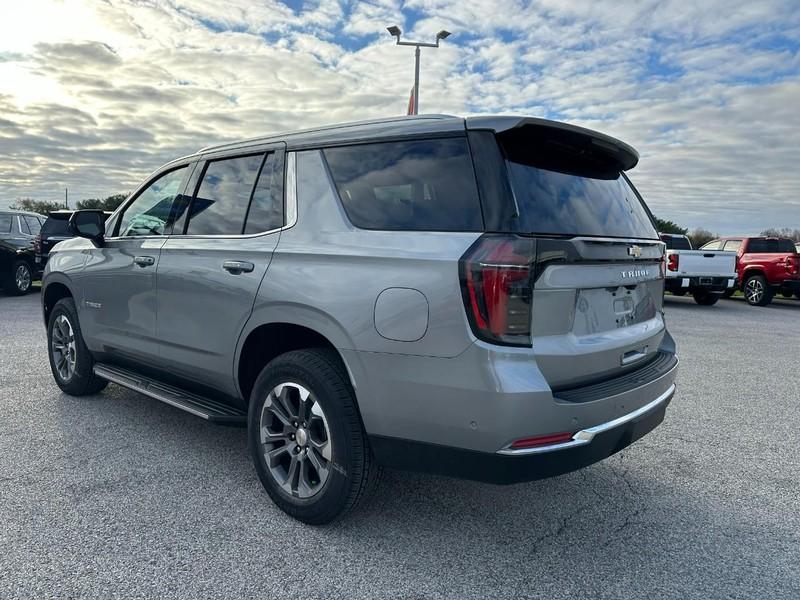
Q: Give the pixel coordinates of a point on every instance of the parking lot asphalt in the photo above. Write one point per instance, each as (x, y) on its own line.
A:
(117, 495)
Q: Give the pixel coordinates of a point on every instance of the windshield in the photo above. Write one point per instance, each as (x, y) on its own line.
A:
(559, 191)
(56, 226)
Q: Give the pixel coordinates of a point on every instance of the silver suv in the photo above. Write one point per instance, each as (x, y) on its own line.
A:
(479, 298)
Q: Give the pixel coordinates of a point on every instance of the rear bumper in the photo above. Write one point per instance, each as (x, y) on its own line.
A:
(791, 284)
(709, 284)
(508, 466)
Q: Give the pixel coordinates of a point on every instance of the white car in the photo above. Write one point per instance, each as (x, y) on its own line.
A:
(705, 274)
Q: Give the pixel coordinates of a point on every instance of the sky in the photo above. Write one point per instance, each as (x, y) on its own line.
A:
(96, 94)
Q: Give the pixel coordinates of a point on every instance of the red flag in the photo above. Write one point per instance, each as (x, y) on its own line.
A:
(411, 107)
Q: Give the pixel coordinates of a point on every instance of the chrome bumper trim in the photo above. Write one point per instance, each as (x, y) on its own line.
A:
(585, 436)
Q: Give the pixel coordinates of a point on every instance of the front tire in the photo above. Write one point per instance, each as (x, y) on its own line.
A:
(20, 279)
(756, 291)
(71, 362)
(705, 298)
(305, 435)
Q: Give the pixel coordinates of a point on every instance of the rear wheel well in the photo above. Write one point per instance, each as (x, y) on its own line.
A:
(269, 341)
(52, 294)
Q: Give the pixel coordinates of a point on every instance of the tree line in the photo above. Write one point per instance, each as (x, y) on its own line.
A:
(43, 207)
(700, 236)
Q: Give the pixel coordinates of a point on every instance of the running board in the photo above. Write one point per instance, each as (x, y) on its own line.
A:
(205, 408)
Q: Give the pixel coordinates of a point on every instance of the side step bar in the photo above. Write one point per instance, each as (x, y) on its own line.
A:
(202, 407)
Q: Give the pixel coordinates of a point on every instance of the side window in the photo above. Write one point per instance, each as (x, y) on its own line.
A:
(733, 245)
(266, 207)
(715, 245)
(5, 223)
(220, 205)
(23, 225)
(423, 185)
(757, 246)
(34, 224)
(150, 213)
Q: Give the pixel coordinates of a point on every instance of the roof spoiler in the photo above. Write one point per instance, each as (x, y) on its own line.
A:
(624, 156)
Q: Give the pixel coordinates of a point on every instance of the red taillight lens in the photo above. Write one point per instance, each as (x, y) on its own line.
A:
(497, 286)
(542, 440)
(37, 244)
(791, 264)
(672, 262)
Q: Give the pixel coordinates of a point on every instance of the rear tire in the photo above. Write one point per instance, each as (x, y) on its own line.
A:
(756, 291)
(20, 280)
(306, 439)
(705, 298)
(679, 293)
(797, 295)
(71, 362)
(787, 293)
(728, 293)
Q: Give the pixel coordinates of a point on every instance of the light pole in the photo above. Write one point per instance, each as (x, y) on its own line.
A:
(395, 31)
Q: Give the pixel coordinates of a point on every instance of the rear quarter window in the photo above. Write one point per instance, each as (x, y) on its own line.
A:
(768, 246)
(5, 223)
(419, 185)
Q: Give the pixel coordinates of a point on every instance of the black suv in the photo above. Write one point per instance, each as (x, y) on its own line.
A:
(18, 267)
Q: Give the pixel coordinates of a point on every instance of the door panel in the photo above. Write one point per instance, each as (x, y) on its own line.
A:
(118, 281)
(209, 274)
(202, 306)
(118, 311)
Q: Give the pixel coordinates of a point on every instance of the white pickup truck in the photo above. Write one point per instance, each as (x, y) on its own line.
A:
(705, 274)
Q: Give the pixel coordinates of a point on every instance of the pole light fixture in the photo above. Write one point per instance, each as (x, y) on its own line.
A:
(396, 32)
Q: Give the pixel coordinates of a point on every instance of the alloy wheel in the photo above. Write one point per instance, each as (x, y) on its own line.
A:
(22, 278)
(63, 347)
(754, 291)
(295, 440)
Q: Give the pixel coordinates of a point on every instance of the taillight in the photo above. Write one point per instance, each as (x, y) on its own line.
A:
(791, 264)
(37, 244)
(672, 262)
(497, 288)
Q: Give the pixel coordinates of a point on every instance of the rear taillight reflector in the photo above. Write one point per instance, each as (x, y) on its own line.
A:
(542, 440)
(497, 288)
(672, 262)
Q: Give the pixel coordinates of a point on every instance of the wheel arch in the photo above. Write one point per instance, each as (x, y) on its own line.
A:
(53, 291)
(263, 341)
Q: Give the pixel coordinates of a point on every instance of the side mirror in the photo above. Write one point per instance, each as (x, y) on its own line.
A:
(89, 224)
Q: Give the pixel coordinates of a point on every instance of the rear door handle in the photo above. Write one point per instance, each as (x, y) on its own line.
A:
(144, 261)
(238, 266)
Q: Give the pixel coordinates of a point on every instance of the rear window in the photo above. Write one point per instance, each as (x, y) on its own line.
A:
(56, 226)
(5, 223)
(764, 246)
(562, 191)
(676, 242)
(421, 185)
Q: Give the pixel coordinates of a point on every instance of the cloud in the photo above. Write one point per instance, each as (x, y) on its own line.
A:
(98, 94)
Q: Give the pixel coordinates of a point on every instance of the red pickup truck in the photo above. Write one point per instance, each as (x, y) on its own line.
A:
(764, 266)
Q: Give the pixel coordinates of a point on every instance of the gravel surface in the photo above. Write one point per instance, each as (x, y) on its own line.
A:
(116, 495)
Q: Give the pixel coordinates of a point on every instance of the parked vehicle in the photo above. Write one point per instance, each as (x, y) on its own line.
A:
(18, 269)
(428, 293)
(54, 230)
(764, 265)
(703, 274)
